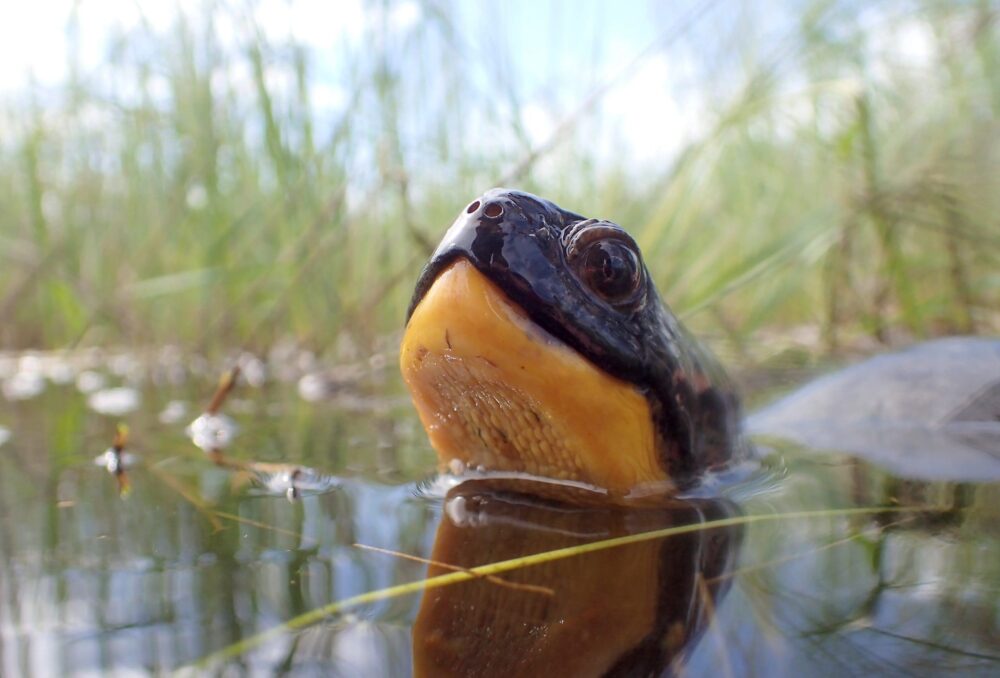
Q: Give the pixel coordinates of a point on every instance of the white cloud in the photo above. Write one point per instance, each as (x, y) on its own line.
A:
(915, 43)
(538, 122)
(894, 43)
(328, 97)
(653, 112)
(33, 44)
(315, 23)
(403, 16)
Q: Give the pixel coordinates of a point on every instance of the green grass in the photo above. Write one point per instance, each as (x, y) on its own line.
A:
(178, 207)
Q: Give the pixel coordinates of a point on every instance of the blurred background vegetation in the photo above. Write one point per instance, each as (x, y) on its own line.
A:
(815, 171)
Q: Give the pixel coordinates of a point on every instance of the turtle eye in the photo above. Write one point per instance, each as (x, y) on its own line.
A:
(606, 260)
(611, 269)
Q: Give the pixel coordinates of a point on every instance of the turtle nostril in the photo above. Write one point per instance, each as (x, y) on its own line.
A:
(493, 210)
(473, 207)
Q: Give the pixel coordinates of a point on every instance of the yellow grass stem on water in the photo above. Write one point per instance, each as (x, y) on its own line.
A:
(319, 614)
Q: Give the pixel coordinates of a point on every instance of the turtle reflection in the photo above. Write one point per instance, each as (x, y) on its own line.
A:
(630, 610)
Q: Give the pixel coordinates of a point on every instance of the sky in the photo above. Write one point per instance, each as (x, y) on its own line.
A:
(558, 52)
(34, 43)
(549, 43)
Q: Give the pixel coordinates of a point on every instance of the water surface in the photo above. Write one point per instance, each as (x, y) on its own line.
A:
(192, 561)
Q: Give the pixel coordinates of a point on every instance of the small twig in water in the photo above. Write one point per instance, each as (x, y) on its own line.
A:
(118, 448)
(257, 523)
(212, 431)
(191, 497)
(545, 590)
(808, 552)
(313, 616)
(226, 384)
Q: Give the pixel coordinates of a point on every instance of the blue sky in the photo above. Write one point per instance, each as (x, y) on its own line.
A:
(530, 59)
(555, 52)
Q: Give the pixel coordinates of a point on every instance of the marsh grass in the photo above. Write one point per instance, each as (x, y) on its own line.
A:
(162, 199)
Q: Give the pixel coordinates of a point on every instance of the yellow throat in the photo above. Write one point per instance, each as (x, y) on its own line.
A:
(494, 390)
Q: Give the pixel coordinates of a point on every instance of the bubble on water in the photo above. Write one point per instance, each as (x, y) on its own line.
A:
(456, 466)
(89, 381)
(212, 431)
(114, 401)
(173, 412)
(23, 385)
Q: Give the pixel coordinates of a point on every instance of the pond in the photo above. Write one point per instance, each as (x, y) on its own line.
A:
(320, 542)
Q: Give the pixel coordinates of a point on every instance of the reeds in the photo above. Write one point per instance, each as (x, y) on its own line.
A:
(193, 192)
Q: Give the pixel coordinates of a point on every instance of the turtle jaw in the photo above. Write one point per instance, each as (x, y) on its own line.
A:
(495, 390)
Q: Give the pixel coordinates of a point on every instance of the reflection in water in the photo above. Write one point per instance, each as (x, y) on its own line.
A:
(196, 558)
(895, 592)
(629, 610)
(200, 557)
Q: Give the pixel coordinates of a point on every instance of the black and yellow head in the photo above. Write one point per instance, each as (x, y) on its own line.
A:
(536, 342)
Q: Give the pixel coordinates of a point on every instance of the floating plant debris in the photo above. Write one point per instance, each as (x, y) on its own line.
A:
(214, 431)
(89, 381)
(23, 385)
(173, 412)
(58, 370)
(226, 384)
(291, 480)
(114, 401)
(116, 460)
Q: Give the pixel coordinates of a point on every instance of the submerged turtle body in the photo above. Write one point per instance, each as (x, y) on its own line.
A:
(931, 411)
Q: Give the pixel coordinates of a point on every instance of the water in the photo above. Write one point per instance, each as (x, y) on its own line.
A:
(187, 565)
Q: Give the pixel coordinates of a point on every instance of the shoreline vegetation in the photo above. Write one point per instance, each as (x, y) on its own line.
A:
(194, 194)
